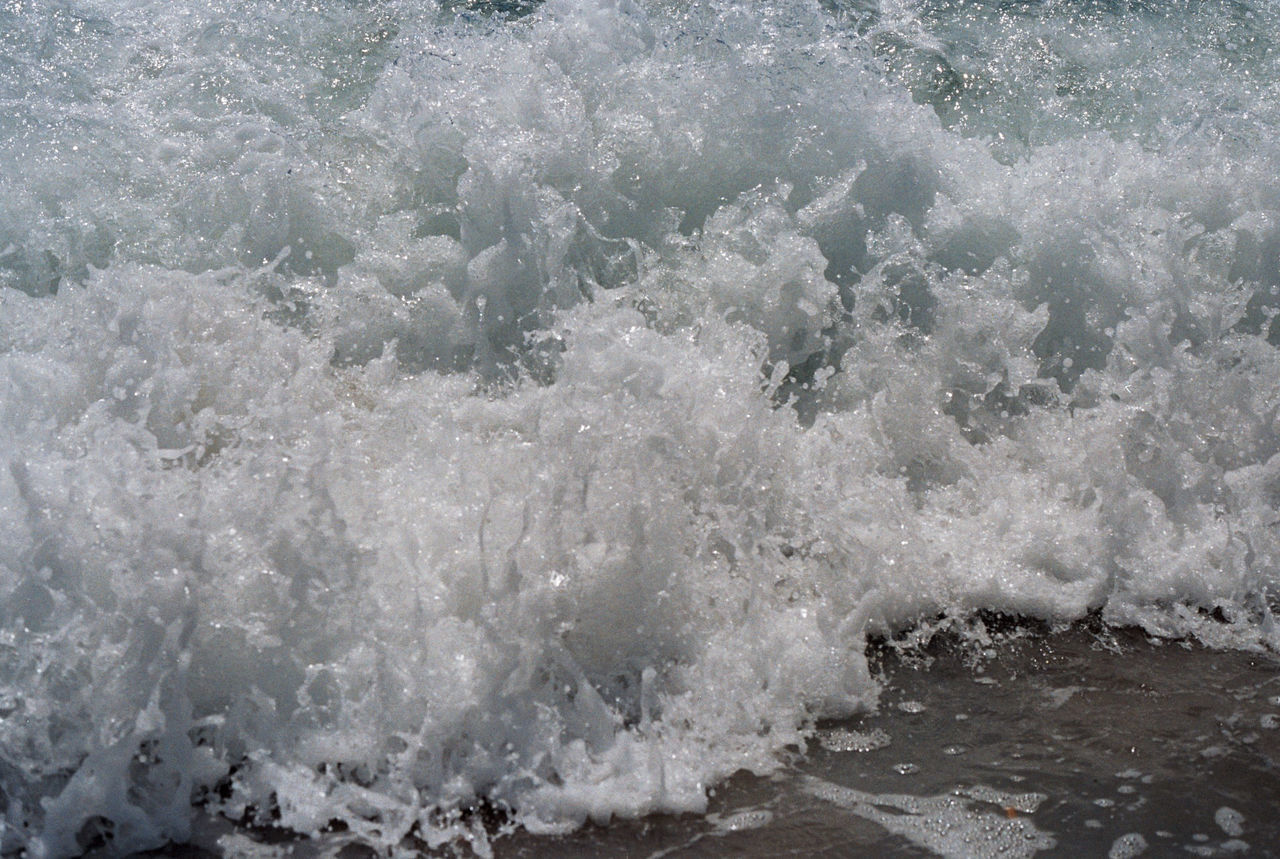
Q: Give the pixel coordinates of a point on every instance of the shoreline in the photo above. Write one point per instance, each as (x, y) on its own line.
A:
(1084, 741)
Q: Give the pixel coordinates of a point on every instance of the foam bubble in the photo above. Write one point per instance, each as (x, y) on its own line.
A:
(1128, 845)
(1229, 821)
(946, 825)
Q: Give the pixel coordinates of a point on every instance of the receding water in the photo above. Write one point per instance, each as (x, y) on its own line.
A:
(422, 420)
(1086, 742)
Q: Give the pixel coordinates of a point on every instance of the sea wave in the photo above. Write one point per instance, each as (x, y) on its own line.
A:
(416, 416)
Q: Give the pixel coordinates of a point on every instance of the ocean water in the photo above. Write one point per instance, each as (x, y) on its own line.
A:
(425, 420)
(1081, 743)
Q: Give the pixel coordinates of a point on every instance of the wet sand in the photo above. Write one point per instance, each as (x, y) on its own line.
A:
(1077, 743)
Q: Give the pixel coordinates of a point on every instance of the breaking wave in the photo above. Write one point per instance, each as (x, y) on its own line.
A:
(417, 414)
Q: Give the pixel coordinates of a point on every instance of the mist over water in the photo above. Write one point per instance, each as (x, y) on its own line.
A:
(409, 409)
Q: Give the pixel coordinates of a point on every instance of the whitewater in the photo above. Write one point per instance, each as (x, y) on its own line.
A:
(432, 419)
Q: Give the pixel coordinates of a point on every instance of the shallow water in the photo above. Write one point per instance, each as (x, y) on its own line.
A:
(1077, 743)
(416, 414)
(1067, 745)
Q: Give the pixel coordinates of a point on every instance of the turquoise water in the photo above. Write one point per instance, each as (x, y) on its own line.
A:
(410, 410)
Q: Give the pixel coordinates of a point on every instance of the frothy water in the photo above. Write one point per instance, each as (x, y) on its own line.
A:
(413, 416)
(948, 825)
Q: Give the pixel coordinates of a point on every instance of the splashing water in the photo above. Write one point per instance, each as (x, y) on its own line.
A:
(408, 411)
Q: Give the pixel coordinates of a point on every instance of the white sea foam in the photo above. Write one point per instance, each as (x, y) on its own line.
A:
(948, 825)
(1229, 821)
(403, 408)
(1127, 846)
